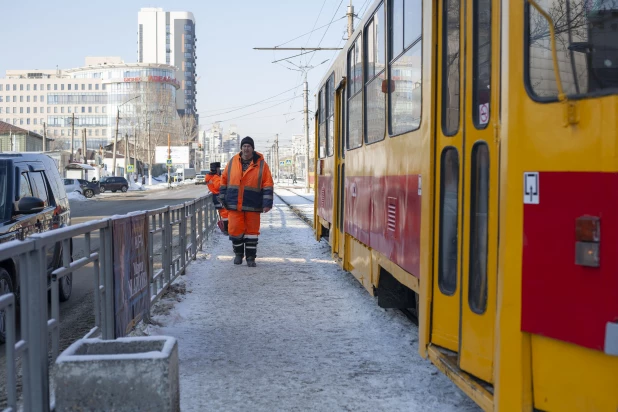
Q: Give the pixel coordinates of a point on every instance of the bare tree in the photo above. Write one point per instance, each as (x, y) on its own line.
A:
(156, 117)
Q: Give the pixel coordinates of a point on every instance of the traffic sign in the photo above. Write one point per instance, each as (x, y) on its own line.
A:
(281, 163)
(169, 162)
(288, 162)
(129, 168)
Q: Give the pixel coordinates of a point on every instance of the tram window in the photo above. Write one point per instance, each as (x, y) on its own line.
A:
(481, 66)
(322, 123)
(479, 213)
(449, 216)
(375, 100)
(450, 68)
(355, 95)
(585, 41)
(330, 111)
(405, 74)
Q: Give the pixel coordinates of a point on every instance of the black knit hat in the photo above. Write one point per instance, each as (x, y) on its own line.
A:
(247, 140)
(213, 166)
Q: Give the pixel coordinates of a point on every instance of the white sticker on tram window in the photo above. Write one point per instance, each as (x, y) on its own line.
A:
(483, 113)
(531, 188)
(420, 190)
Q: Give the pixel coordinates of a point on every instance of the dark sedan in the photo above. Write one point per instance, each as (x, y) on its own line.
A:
(114, 183)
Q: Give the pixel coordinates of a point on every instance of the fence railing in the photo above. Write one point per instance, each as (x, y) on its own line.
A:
(176, 233)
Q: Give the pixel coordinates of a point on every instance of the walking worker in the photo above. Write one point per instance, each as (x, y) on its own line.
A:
(246, 191)
(213, 181)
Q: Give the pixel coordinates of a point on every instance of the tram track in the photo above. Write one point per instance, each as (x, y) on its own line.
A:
(296, 194)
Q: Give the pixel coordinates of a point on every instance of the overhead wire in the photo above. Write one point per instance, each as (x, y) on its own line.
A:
(257, 111)
(253, 104)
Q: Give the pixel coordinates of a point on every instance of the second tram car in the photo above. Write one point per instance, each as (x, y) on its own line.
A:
(466, 160)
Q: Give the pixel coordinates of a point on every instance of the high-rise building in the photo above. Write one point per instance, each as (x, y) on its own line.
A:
(169, 38)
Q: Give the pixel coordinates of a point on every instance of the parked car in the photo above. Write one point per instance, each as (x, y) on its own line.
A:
(199, 180)
(113, 183)
(86, 188)
(32, 200)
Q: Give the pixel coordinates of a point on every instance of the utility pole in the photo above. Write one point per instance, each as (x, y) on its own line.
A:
(350, 15)
(126, 155)
(44, 136)
(72, 137)
(277, 155)
(149, 161)
(169, 156)
(307, 145)
(84, 145)
(115, 140)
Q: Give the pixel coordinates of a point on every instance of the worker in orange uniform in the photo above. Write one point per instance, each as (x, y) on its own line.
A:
(246, 191)
(213, 181)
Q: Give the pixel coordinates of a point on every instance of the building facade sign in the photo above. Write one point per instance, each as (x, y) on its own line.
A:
(156, 79)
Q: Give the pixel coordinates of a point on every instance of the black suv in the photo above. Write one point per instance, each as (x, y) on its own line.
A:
(32, 200)
(113, 183)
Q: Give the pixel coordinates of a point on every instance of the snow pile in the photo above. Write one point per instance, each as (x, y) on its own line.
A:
(76, 196)
(295, 333)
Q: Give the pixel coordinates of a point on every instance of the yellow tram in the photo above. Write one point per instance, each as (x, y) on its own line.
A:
(466, 160)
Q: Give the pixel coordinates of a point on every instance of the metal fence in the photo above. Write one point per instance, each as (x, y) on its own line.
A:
(176, 233)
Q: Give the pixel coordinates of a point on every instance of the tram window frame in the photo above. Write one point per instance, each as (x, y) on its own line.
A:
(528, 82)
(410, 45)
(322, 122)
(330, 115)
(354, 87)
(448, 284)
(445, 78)
(372, 74)
(479, 200)
(476, 64)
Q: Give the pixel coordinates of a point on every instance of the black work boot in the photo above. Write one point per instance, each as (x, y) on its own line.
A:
(251, 251)
(239, 251)
(225, 228)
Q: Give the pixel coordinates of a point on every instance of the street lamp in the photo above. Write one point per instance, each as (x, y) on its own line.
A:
(116, 136)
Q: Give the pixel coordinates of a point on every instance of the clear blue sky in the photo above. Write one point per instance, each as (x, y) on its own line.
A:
(44, 34)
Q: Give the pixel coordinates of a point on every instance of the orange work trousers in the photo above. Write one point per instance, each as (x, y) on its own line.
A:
(223, 213)
(243, 223)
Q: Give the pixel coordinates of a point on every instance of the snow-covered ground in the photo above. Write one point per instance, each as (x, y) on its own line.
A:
(296, 333)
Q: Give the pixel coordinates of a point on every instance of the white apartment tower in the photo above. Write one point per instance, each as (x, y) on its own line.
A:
(169, 38)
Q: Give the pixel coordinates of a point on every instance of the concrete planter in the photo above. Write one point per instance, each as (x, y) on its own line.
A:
(126, 374)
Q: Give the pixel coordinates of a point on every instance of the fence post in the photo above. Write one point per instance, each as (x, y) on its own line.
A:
(167, 245)
(183, 237)
(110, 330)
(36, 272)
(200, 222)
(194, 230)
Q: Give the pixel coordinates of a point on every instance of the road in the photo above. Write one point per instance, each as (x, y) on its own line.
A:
(77, 314)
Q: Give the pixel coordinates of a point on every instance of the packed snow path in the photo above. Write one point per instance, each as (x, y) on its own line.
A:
(296, 333)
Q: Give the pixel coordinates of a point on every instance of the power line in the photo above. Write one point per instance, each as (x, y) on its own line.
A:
(326, 31)
(257, 111)
(303, 35)
(256, 103)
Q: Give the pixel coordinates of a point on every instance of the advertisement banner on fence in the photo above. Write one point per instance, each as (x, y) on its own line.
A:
(131, 276)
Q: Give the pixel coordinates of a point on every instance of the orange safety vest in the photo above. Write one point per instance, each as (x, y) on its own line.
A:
(248, 191)
(213, 181)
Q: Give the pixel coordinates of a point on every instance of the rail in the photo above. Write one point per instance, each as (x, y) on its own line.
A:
(175, 233)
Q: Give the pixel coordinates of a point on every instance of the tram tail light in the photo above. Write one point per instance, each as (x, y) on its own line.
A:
(587, 241)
